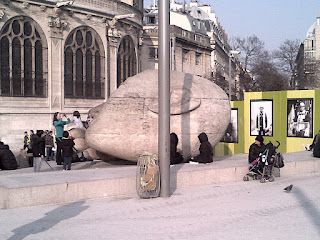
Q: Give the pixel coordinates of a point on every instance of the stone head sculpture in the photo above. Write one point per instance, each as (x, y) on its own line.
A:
(127, 124)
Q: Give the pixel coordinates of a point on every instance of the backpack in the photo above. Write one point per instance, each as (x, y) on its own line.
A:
(278, 160)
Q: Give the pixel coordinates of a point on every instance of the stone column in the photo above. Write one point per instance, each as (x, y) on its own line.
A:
(56, 64)
(113, 37)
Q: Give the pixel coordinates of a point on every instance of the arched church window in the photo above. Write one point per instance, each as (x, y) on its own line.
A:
(23, 59)
(126, 60)
(83, 64)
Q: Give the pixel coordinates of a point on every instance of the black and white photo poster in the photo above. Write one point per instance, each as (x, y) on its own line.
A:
(231, 135)
(300, 117)
(261, 118)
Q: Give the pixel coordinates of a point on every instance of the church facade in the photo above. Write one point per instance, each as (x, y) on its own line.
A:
(62, 56)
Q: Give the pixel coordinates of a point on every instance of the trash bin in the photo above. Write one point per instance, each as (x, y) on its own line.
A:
(148, 176)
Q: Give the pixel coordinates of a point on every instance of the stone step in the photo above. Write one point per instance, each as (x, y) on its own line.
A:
(23, 187)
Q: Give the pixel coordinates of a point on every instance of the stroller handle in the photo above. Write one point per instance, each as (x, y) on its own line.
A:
(278, 143)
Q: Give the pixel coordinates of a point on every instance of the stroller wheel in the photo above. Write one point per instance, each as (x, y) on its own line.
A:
(262, 180)
(271, 179)
(246, 178)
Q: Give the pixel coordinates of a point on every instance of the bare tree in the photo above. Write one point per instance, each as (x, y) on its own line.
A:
(268, 78)
(286, 56)
(251, 48)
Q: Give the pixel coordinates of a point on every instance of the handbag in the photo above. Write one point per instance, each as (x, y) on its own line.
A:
(278, 161)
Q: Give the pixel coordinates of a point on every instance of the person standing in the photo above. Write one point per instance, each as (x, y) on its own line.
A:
(49, 145)
(76, 119)
(31, 137)
(29, 151)
(38, 149)
(67, 150)
(58, 123)
(26, 140)
(78, 124)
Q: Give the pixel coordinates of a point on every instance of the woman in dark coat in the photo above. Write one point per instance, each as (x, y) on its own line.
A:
(38, 150)
(175, 157)
(316, 149)
(205, 149)
(256, 148)
(7, 159)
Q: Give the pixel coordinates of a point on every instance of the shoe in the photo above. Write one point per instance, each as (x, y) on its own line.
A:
(192, 162)
(304, 147)
(63, 170)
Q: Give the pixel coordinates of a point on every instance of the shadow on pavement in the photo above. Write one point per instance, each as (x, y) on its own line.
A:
(308, 207)
(49, 220)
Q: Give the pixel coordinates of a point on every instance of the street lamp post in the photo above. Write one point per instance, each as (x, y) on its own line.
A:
(164, 98)
(232, 54)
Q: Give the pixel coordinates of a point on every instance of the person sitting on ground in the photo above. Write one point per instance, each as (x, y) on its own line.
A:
(256, 148)
(314, 142)
(316, 147)
(22, 159)
(7, 159)
(205, 149)
(67, 150)
(175, 157)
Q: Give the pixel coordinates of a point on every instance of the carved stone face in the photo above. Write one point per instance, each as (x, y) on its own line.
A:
(127, 124)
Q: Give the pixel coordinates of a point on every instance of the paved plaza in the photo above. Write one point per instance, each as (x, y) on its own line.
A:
(236, 210)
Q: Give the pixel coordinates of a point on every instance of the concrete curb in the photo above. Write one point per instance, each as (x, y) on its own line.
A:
(32, 189)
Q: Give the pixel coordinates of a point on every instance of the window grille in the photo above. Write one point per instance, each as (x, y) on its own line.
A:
(126, 60)
(83, 61)
(23, 56)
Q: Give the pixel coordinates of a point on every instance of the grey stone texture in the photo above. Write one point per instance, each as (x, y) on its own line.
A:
(127, 124)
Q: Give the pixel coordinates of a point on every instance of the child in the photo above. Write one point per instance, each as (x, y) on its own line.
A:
(77, 120)
(67, 150)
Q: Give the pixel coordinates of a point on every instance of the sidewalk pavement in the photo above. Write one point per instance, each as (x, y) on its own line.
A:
(97, 179)
(233, 211)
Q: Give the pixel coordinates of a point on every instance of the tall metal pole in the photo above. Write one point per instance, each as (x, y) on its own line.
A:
(230, 77)
(164, 98)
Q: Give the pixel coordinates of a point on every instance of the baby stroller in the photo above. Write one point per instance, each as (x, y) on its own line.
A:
(263, 166)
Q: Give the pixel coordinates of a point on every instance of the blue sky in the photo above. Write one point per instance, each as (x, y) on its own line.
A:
(273, 21)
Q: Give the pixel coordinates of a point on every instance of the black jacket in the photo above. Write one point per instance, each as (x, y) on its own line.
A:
(254, 151)
(175, 157)
(205, 149)
(38, 146)
(316, 149)
(7, 159)
(67, 147)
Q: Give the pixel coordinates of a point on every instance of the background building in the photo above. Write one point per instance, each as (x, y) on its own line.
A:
(199, 45)
(307, 71)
